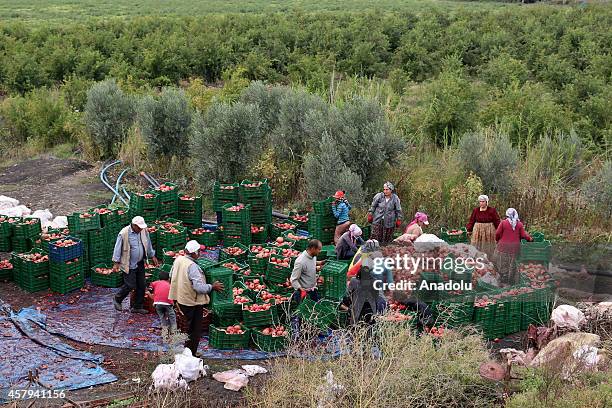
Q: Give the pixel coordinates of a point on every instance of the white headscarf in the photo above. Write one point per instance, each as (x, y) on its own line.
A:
(389, 185)
(512, 216)
(483, 197)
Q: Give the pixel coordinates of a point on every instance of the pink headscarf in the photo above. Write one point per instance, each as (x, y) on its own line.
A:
(419, 216)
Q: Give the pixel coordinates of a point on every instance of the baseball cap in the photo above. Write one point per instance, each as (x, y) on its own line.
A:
(138, 220)
(192, 246)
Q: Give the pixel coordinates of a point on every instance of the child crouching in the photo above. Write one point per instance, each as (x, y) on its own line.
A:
(163, 305)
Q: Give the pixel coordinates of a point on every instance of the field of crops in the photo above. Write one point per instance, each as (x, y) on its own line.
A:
(49, 10)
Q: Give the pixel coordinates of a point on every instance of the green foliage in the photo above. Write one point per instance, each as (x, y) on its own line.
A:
(559, 159)
(598, 190)
(449, 105)
(490, 155)
(109, 114)
(325, 173)
(40, 117)
(268, 99)
(225, 142)
(503, 70)
(165, 123)
(74, 91)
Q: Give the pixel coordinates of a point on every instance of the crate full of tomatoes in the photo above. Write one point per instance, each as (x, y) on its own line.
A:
(279, 269)
(271, 339)
(64, 249)
(103, 275)
(237, 251)
(6, 270)
(86, 221)
(229, 338)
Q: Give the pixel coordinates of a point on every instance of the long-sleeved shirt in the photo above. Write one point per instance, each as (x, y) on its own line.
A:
(341, 211)
(486, 216)
(304, 275)
(347, 248)
(196, 276)
(509, 240)
(136, 248)
(386, 210)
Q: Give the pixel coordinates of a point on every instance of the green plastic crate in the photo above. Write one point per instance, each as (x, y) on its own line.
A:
(27, 228)
(67, 283)
(7, 225)
(454, 239)
(168, 240)
(31, 283)
(112, 280)
(167, 195)
(225, 276)
(205, 263)
(7, 273)
(20, 245)
(208, 238)
(5, 244)
(334, 280)
(27, 267)
(242, 217)
(78, 224)
(276, 273)
(226, 192)
(268, 343)
(276, 231)
(226, 314)
(140, 203)
(224, 255)
(63, 269)
(259, 319)
(322, 314)
(218, 339)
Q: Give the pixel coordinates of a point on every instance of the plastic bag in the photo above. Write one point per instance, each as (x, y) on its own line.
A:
(234, 379)
(61, 221)
(44, 215)
(189, 367)
(167, 377)
(18, 211)
(252, 369)
(567, 316)
(7, 202)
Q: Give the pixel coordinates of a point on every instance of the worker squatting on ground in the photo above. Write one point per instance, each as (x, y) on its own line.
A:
(132, 247)
(349, 243)
(385, 214)
(190, 290)
(164, 305)
(414, 229)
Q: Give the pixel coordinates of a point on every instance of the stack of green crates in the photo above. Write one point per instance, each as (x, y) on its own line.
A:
(225, 194)
(145, 204)
(276, 273)
(190, 210)
(453, 310)
(321, 314)
(111, 280)
(167, 201)
(276, 231)
(204, 236)
(258, 265)
(259, 198)
(322, 223)
(236, 225)
(66, 276)
(261, 236)
(268, 343)
(7, 227)
(219, 339)
(298, 244)
(28, 275)
(334, 280)
(172, 241)
(6, 271)
(24, 232)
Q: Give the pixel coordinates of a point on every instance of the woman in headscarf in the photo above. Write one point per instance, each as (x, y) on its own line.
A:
(349, 243)
(385, 214)
(508, 236)
(414, 229)
(482, 225)
(340, 208)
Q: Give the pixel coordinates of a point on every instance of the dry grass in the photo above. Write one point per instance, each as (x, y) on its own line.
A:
(388, 366)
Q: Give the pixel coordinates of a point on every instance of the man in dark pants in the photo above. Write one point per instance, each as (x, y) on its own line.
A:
(132, 247)
(189, 289)
(304, 277)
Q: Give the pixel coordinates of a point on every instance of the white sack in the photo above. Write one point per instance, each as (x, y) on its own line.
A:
(189, 366)
(252, 369)
(167, 377)
(567, 316)
(7, 202)
(44, 215)
(61, 221)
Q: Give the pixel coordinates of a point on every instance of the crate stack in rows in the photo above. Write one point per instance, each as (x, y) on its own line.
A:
(190, 210)
(258, 195)
(236, 224)
(322, 223)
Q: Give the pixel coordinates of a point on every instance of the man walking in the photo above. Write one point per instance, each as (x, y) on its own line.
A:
(132, 247)
(189, 289)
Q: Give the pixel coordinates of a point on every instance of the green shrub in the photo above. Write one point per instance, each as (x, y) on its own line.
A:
(490, 155)
(503, 70)
(598, 190)
(325, 173)
(165, 123)
(109, 113)
(225, 142)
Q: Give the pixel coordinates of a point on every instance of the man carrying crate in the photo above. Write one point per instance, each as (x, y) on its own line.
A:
(131, 248)
(189, 289)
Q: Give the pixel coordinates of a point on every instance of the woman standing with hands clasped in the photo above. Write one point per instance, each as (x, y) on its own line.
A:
(483, 225)
(385, 214)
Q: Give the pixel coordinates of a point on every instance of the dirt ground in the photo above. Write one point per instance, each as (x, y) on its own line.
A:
(61, 185)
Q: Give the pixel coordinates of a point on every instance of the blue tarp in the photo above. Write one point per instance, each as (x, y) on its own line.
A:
(26, 348)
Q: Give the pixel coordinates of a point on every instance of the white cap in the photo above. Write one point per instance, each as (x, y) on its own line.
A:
(139, 221)
(192, 246)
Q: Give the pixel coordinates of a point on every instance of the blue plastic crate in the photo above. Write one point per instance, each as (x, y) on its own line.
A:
(212, 227)
(62, 254)
(302, 233)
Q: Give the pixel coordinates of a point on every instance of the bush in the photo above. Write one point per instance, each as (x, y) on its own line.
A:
(503, 70)
(559, 159)
(39, 117)
(109, 113)
(490, 155)
(394, 367)
(598, 190)
(268, 99)
(225, 142)
(325, 173)
(165, 123)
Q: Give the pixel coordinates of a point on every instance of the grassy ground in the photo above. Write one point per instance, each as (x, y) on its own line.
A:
(79, 9)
